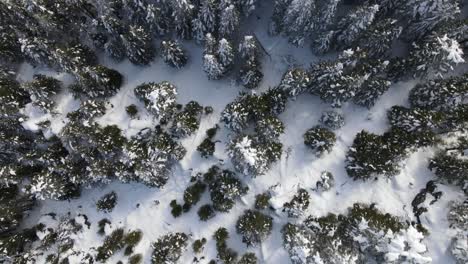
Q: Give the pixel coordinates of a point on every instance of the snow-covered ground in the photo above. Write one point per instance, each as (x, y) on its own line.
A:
(137, 207)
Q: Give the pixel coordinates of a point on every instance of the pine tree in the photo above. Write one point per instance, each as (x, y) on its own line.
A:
(225, 54)
(413, 119)
(10, 48)
(352, 26)
(12, 95)
(115, 49)
(332, 119)
(210, 44)
(327, 10)
(138, 45)
(182, 14)
(251, 74)
(173, 54)
(298, 204)
(277, 19)
(169, 248)
(299, 20)
(295, 82)
(229, 22)
(378, 39)
(269, 127)
(370, 91)
(159, 98)
(212, 67)
(224, 188)
(237, 114)
(42, 89)
(435, 55)
(187, 121)
(209, 16)
(423, 16)
(74, 57)
(248, 48)
(99, 81)
(319, 139)
(247, 6)
(37, 50)
(254, 227)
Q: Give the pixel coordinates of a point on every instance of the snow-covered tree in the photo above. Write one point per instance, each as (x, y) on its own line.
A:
(423, 16)
(355, 23)
(42, 89)
(253, 156)
(378, 39)
(326, 181)
(440, 94)
(10, 48)
(254, 227)
(187, 121)
(412, 119)
(225, 188)
(169, 248)
(320, 140)
(249, 49)
(435, 55)
(229, 21)
(250, 74)
(269, 127)
(332, 119)
(208, 16)
(295, 82)
(115, 49)
(298, 204)
(173, 54)
(138, 45)
(37, 50)
(98, 81)
(370, 91)
(212, 67)
(12, 95)
(299, 20)
(182, 14)
(225, 54)
(159, 98)
(276, 25)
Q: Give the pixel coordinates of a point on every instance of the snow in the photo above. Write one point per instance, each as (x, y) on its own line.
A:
(137, 207)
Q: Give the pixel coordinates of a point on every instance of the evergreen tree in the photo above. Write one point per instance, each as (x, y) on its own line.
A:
(248, 48)
(327, 10)
(138, 45)
(435, 55)
(332, 120)
(355, 23)
(276, 25)
(229, 21)
(423, 16)
(440, 94)
(209, 16)
(298, 204)
(159, 98)
(37, 50)
(169, 248)
(12, 95)
(74, 57)
(212, 67)
(295, 82)
(42, 89)
(173, 54)
(115, 49)
(269, 127)
(252, 155)
(370, 91)
(10, 48)
(299, 20)
(98, 81)
(182, 14)
(412, 119)
(378, 39)
(225, 54)
(254, 227)
(224, 188)
(251, 74)
(326, 181)
(319, 139)
(187, 121)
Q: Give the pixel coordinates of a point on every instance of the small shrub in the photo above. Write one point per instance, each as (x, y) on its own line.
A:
(113, 243)
(320, 139)
(299, 203)
(198, 245)
(135, 259)
(102, 224)
(132, 110)
(206, 212)
(193, 194)
(176, 210)
(107, 202)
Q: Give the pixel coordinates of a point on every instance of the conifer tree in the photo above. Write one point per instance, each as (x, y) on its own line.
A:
(229, 21)
(212, 67)
(182, 14)
(225, 53)
(138, 45)
(299, 20)
(159, 98)
(352, 26)
(173, 54)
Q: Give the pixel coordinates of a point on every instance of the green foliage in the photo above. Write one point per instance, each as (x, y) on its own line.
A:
(262, 201)
(187, 121)
(169, 248)
(98, 81)
(159, 98)
(177, 209)
(107, 202)
(450, 168)
(42, 89)
(198, 245)
(206, 148)
(320, 139)
(192, 195)
(112, 243)
(131, 240)
(254, 227)
(12, 94)
(224, 188)
(173, 54)
(132, 110)
(225, 254)
(135, 259)
(248, 258)
(375, 218)
(206, 212)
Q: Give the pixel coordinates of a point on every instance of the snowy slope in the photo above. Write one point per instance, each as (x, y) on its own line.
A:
(137, 207)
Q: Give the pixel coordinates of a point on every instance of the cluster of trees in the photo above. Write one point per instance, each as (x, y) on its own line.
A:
(363, 234)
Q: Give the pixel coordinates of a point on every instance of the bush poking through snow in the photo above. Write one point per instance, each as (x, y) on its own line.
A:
(326, 181)
(198, 245)
(176, 210)
(187, 121)
(192, 195)
(225, 254)
(169, 248)
(107, 202)
(262, 201)
(206, 212)
(132, 111)
(254, 227)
